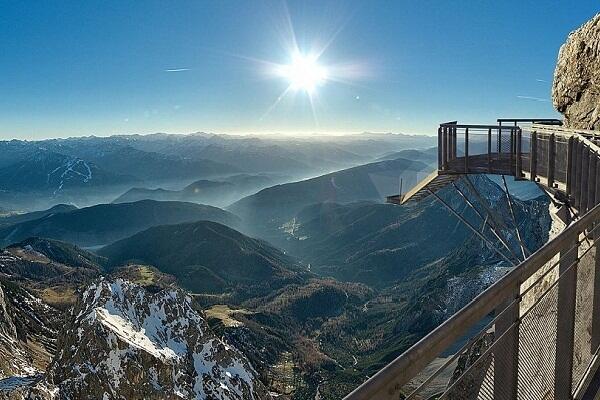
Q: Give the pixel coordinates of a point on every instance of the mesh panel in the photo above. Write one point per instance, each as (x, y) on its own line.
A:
(474, 373)
(542, 156)
(435, 386)
(582, 354)
(560, 162)
(505, 142)
(537, 347)
(520, 362)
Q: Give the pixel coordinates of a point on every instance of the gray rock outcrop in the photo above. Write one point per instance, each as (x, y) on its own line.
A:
(576, 87)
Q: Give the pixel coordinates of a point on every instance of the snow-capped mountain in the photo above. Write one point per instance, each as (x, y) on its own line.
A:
(123, 342)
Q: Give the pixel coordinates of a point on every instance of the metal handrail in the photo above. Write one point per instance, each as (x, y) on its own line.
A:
(405, 367)
(546, 121)
(475, 126)
(560, 130)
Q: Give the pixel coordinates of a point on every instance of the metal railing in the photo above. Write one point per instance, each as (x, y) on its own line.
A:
(566, 161)
(557, 158)
(535, 333)
(479, 148)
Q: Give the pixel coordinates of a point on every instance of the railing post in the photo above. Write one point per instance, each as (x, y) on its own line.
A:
(499, 139)
(510, 159)
(533, 157)
(506, 358)
(450, 143)
(444, 148)
(454, 143)
(519, 167)
(551, 142)
(440, 149)
(593, 162)
(489, 150)
(585, 169)
(570, 171)
(565, 321)
(578, 181)
(466, 150)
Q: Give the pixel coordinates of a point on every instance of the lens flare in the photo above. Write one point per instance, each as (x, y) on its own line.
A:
(304, 73)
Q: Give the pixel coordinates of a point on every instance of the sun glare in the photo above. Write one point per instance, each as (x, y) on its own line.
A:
(304, 73)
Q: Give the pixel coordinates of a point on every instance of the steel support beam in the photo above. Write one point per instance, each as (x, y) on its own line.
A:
(486, 222)
(471, 227)
(512, 214)
(497, 221)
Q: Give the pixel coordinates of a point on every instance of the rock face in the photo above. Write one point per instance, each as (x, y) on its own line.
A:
(27, 333)
(576, 87)
(123, 342)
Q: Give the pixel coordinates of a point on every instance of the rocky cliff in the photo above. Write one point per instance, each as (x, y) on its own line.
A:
(122, 341)
(576, 87)
(27, 333)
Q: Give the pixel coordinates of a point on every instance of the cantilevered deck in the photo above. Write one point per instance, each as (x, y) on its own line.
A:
(535, 333)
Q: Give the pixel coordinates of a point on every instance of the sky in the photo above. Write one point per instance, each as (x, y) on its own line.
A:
(77, 68)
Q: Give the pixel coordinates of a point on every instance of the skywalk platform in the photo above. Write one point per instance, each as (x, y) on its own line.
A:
(535, 332)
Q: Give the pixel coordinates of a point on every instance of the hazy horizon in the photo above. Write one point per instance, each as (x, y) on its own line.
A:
(269, 135)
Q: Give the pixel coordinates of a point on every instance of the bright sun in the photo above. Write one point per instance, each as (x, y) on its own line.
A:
(304, 73)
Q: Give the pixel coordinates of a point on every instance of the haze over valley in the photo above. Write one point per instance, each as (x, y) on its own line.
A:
(286, 247)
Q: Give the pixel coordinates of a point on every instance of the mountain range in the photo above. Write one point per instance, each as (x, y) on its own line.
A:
(303, 286)
(85, 171)
(213, 192)
(265, 212)
(106, 223)
(206, 257)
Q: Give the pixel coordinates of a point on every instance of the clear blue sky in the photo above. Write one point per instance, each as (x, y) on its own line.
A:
(70, 68)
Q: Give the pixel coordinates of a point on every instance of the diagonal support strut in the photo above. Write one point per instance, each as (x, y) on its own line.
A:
(524, 249)
(471, 227)
(486, 222)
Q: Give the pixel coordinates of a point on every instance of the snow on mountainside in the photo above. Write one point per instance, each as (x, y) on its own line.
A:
(123, 342)
(52, 172)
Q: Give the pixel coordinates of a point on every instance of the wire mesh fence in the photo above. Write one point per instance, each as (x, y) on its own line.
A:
(528, 354)
(521, 360)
